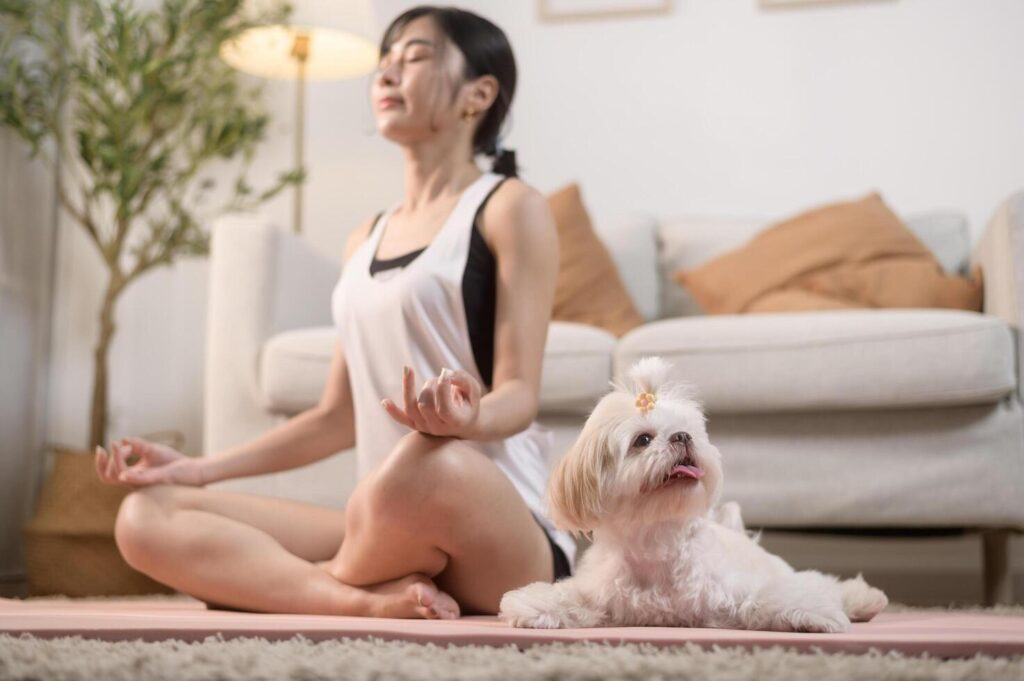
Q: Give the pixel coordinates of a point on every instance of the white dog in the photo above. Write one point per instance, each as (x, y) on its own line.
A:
(644, 479)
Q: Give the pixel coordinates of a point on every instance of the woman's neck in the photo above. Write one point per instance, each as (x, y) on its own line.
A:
(433, 177)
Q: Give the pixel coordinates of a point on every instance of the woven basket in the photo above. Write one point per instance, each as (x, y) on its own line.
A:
(69, 542)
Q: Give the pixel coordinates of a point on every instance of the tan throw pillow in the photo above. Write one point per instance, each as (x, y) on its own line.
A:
(589, 289)
(847, 254)
(798, 300)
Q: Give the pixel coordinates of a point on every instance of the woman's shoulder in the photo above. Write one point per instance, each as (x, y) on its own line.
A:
(357, 236)
(514, 210)
(514, 191)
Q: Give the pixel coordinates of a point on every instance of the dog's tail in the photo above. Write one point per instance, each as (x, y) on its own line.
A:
(651, 375)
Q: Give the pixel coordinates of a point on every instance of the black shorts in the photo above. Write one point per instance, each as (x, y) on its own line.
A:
(559, 560)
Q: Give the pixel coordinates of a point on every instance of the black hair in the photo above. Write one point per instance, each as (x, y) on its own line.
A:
(486, 51)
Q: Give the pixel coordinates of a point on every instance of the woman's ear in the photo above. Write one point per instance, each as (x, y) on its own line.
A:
(575, 489)
(483, 91)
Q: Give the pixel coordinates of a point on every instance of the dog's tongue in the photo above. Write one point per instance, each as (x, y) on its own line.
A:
(687, 471)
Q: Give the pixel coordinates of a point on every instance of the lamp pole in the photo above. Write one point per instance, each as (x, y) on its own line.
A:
(300, 51)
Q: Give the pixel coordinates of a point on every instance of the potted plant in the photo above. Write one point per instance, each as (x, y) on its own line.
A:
(131, 108)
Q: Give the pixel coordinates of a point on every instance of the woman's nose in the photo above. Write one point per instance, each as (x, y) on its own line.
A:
(390, 74)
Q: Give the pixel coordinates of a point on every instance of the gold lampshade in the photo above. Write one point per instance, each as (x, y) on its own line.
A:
(271, 52)
(338, 36)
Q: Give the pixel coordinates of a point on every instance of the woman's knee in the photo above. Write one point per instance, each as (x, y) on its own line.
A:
(423, 474)
(137, 528)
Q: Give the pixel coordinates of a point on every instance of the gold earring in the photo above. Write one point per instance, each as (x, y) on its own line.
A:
(468, 115)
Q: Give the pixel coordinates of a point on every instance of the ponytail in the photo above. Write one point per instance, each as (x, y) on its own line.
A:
(504, 160)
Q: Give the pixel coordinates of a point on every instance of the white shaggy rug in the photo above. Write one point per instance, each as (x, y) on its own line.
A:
(70, 659)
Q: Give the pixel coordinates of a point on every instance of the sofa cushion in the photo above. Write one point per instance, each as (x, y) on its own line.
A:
(819, 361)
(684, 242)
(631, 241)
(687, 241)
(589, 288)
(293, 368)
(855, 251)
(576, 370)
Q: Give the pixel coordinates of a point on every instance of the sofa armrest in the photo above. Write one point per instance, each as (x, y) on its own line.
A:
(263, 280)
(1000, 254)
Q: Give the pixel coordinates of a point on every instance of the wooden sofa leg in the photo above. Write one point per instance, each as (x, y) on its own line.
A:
(998, 583)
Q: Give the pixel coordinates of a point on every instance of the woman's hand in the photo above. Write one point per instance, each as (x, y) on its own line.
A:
(446, 406)
(157, 464)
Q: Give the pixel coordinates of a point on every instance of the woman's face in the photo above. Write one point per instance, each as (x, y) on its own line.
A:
(412, 88)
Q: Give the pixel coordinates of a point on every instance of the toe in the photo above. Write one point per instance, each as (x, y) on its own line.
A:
(446, 606)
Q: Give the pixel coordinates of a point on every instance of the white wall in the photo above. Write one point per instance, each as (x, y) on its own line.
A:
(720, 107)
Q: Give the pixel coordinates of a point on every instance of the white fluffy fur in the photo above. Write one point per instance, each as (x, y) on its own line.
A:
(665, 554)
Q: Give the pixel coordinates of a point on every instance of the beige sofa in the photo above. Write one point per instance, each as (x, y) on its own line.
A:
(880, 420)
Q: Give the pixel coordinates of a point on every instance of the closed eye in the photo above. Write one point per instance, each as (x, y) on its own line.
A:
(642, 440)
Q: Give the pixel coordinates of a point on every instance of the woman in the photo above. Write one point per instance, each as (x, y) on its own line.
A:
(454, 284)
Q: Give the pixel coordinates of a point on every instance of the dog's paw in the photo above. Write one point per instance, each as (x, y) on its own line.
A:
(830, 621)
(533, 606)
(541, 621)
(861, 601)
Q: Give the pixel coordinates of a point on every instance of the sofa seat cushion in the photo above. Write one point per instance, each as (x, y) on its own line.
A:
(834, 360)
(577, 367)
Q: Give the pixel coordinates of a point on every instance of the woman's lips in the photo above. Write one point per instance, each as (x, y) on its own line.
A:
(389, 102)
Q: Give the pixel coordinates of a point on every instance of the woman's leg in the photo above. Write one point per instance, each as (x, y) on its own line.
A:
(439, 507)
(254, 553)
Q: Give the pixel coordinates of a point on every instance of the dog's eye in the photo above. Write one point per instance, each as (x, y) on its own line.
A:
(642, 440)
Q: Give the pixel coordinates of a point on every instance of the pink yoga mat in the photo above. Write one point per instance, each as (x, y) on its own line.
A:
(940, 634)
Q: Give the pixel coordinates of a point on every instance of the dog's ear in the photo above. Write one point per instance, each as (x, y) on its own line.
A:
(575, 489)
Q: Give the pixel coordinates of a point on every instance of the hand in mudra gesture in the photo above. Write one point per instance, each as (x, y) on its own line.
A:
(156, 464)
(447, 405)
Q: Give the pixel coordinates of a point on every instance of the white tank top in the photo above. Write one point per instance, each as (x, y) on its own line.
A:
(416, 316)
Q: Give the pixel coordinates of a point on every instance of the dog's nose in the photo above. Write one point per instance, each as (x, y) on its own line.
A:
(682, 437)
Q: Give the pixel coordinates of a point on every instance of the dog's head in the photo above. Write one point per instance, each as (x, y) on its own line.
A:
(643, 457)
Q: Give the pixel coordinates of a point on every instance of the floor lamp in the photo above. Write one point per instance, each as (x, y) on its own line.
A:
(322, 41)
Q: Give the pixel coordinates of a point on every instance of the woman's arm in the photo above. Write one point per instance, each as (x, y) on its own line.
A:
(518, 226)
(312, 435)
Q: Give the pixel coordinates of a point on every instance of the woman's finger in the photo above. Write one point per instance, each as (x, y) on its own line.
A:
(397, 414)
(411, 407)
(466, 384)
(101, 463)
(143, 448)
(442, 402)
(121, 454)
(140, 476)
(112, 462)
(445, 400)
(428, 409)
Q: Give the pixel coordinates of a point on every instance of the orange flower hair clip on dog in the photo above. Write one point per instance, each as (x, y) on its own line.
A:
(645, 402)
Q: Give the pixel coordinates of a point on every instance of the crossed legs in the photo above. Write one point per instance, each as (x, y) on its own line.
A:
(438, 507)
(436, 514)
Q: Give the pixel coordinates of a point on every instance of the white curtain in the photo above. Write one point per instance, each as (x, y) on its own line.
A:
(27, 243)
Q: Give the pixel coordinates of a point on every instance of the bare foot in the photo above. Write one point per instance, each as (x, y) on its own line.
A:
(414, 596)
(409, 597)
